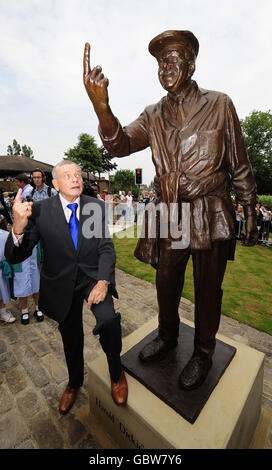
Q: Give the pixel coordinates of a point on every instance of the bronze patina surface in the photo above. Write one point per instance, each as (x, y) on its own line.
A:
(199, 155)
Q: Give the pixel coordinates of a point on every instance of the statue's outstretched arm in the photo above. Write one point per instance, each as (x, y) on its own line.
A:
(97, 88)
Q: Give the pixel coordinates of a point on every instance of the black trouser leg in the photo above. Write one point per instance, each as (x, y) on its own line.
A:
(109, 328)
(71, 330)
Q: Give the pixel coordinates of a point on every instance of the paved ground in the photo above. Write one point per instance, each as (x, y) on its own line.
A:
(33, 373)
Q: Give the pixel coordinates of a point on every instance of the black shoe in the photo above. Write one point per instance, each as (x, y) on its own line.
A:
(195, 372)
(156, 349)
(38, 315)
(25, 318)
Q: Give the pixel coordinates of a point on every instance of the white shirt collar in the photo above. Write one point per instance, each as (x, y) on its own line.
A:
(67, 210)
(65, 203)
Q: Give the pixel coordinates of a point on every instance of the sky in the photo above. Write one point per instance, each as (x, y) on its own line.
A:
(43, 102)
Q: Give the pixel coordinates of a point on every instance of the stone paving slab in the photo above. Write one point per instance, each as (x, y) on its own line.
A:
(33, 372)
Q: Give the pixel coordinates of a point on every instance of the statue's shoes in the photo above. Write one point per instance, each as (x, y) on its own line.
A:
(195, 372)
(156, 349)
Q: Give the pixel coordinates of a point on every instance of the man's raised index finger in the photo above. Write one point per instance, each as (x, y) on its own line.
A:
(18, 195)
(86, 59)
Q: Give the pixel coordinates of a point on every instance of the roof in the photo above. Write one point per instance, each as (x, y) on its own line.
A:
(19, 163)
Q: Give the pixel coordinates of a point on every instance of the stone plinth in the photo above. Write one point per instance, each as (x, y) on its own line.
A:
(228, 419)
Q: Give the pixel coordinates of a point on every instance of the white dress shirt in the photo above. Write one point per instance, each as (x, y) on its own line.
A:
(66, 210)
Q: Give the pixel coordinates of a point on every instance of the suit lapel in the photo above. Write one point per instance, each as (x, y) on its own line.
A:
(62, 225)
(81, 221)
(80, 236)
(61, 222)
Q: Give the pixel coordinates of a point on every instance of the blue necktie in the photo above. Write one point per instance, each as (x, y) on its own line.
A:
(73, 223)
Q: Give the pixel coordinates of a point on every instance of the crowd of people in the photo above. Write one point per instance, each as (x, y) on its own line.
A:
(21, 280)
(123, 204)
(264, 222)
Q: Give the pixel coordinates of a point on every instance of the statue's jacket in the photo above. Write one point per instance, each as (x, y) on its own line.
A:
(198, 158)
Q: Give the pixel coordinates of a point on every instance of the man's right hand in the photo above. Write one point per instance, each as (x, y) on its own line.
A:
(21, 212)
(95, 83)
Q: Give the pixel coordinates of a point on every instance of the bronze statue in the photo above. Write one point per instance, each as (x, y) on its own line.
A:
(198, 152)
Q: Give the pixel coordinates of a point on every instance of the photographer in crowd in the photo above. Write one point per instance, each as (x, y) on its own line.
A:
(41, 190)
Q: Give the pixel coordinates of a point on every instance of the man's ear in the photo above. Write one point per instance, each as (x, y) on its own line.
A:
(191, 68)
(55, 184)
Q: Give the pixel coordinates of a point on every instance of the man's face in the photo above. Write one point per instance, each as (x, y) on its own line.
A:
(37, 178)
(20, 184)
(95, 189)
(69, 182)
(173, 69)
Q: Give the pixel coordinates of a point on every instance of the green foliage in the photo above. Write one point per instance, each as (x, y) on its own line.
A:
(86, 154)
(266, 201)
(124, 180)
(16, 149)
(247, 283)
(106, 160)
(27, 151)
(257, 132)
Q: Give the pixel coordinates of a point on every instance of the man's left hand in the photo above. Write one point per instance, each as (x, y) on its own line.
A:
(98, 293)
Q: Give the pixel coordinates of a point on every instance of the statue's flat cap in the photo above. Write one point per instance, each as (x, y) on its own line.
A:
(173, 37)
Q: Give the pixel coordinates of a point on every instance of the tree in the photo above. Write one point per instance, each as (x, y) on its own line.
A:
(265, 201)
(27, 151)
(106, 164)
(124, 180)
(16, 149)
(85, 154)
(257, 132)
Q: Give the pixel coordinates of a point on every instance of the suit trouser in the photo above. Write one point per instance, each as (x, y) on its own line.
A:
(107, 326)
(209, 267)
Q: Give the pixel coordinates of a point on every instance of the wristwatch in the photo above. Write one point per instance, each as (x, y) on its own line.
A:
(106, 282)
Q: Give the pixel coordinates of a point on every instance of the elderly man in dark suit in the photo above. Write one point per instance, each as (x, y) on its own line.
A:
(198, 151)
(78, 263)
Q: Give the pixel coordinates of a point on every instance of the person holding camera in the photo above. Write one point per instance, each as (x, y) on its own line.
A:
(41, 189)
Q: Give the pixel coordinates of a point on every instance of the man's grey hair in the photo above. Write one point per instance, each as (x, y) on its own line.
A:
(62, 163)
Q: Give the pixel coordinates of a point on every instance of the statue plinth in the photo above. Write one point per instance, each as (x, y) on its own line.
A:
(227, 419)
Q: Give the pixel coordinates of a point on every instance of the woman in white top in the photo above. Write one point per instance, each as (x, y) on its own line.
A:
(129, 208)
(266, 222)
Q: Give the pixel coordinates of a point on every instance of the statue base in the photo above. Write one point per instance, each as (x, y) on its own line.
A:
(230, 412)
(161, 377)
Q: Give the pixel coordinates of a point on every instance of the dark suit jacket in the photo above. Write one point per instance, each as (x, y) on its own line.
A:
(95, 256)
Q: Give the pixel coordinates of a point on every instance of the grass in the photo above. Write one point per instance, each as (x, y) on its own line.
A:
(247, 282)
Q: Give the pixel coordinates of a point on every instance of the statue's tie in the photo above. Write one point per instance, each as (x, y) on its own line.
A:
(73, 223)
(180, 111)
